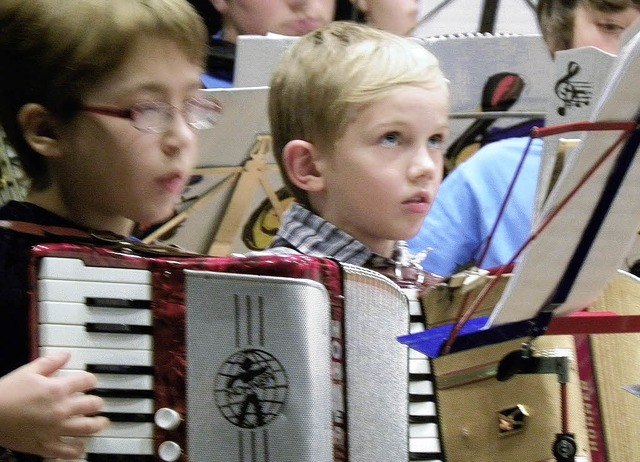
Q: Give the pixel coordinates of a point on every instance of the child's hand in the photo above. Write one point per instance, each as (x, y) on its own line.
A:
(42, 414)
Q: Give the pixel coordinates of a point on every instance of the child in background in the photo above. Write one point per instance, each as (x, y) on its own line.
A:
(100, 101)
(251, 17)
(459, 228)
(397, 16)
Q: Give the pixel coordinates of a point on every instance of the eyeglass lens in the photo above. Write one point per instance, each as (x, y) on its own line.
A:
(157, 117)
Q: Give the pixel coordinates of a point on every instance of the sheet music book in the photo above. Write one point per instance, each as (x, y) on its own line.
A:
(580, 75)
(256, 58)
(594, 248)
(472, 63)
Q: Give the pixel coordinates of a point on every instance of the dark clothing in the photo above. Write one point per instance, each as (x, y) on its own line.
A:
(14, 257)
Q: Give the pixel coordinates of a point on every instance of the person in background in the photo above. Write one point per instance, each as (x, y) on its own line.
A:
(103, 116)
(459, 225)
(251, 17)
(397, 16)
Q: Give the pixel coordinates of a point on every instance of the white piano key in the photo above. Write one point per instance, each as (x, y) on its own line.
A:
(417, 355)
(422, 409)
(424, 445)
(80, 357)
(127, 382)
(75, 269)
(423, 430)
(129, 405)
(118, 381)
(120, 445)
(421, 387)
(79, 314)
(127, 430)
(76, 291)
(419, 367)
(77, 337)
(415, 307)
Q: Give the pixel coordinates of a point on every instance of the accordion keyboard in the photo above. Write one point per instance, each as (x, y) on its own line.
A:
(424, 436)
(103, 317)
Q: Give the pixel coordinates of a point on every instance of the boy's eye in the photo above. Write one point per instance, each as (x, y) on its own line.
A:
(390, 139)
(610, 28)
(436, 142)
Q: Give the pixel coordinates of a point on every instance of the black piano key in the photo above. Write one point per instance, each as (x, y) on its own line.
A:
(117, 302)
(421, 398)
(121, 393)
(423, 419)
(113, 328)
(425, 456)
(128, 417)
(95, 457)
(420, 376)
(119, 369)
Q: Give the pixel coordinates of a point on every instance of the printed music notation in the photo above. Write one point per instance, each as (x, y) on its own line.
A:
(573, 93)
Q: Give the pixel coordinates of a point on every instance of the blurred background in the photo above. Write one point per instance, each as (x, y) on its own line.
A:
(440, 17)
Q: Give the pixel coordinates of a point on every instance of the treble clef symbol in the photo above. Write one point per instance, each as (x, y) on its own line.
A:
(565, 90)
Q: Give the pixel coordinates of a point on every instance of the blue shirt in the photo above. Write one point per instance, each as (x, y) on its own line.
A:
(460, 222)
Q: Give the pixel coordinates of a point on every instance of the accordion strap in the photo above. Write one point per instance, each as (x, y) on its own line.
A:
(35, 229)
(104, 239)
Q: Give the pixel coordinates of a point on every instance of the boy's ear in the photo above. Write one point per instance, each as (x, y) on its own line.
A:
(301, 165)
(39, 129)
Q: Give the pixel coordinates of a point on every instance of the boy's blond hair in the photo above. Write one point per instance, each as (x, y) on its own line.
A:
(52, 52)
(328, 72)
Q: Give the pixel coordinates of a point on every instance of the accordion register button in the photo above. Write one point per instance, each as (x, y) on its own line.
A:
(169, 451)
(167, 419)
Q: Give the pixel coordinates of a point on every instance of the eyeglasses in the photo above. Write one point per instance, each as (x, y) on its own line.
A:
(157, 117)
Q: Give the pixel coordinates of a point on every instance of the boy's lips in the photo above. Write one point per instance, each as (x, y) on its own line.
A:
(173, 183)
(303, 26)
(418, 203)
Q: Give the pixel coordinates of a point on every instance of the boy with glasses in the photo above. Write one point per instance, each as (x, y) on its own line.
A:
(100, 101)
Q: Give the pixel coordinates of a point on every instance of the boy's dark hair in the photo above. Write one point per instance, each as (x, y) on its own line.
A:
(555, 18)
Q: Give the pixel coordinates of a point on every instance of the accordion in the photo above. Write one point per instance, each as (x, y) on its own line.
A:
(486, 419)
(269, 358)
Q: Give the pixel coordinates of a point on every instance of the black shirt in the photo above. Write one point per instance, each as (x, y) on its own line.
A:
(15, 253)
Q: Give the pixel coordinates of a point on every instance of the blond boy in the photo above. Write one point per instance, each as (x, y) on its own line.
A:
(358, 118)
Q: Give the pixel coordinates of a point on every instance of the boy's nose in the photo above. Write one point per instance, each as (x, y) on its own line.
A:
(179, 135)
(423, 164)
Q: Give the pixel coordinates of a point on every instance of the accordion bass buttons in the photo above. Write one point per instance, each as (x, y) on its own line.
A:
(167, 419)
(169, 451)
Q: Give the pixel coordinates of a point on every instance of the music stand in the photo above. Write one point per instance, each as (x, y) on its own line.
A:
(235, 180)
